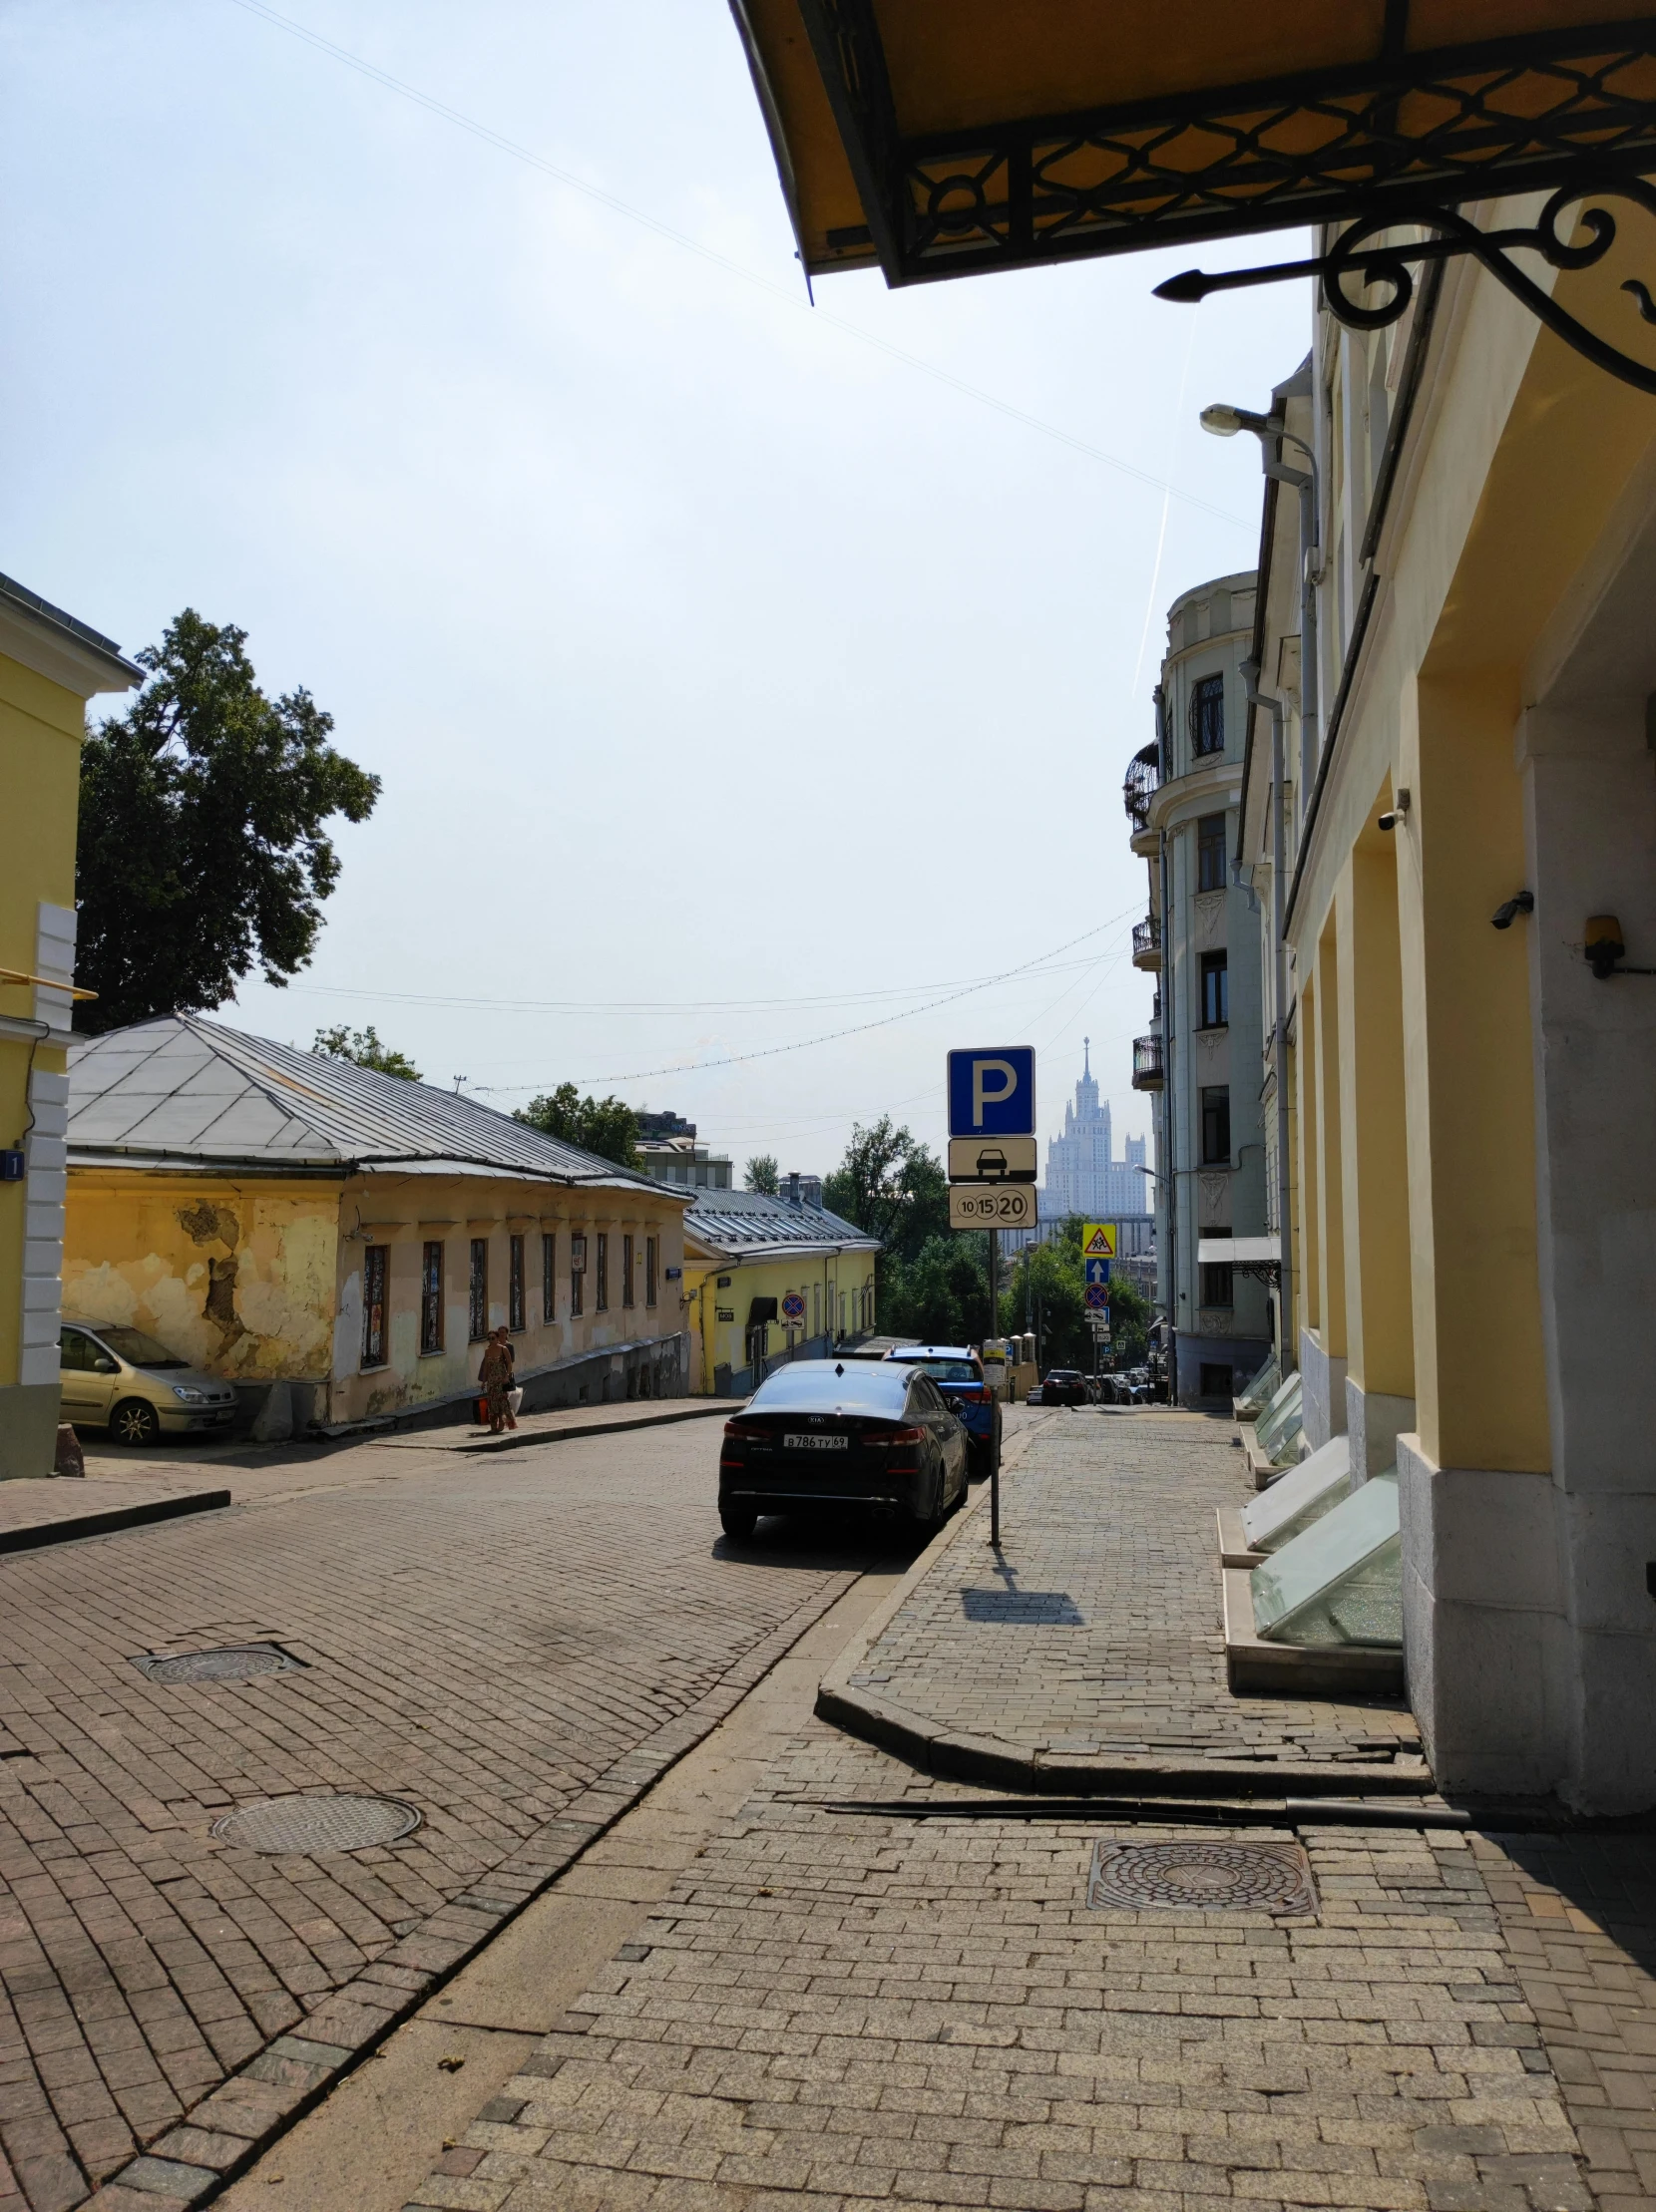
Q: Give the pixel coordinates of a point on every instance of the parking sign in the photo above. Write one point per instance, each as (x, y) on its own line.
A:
(991, 1092)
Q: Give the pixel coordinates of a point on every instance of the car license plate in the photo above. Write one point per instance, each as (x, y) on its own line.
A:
(816, 1443)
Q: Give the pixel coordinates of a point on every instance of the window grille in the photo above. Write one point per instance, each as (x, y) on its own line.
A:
(517, 1315)
(626, 1270)
(578, 1276)
(431, 1299)
(374, 1258)
(477, 1302)
(651, 1253)
(548, 1280)
(1217, 1283)
(601, 1288)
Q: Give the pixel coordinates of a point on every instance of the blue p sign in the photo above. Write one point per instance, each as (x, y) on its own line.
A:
(992, 1093)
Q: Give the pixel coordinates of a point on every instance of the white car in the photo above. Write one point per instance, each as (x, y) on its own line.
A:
(118, 1379)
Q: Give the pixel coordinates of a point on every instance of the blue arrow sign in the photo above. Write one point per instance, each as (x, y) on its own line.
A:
(1097, 1270)
(992, 1093)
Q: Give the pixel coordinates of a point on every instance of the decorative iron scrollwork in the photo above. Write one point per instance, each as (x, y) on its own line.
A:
(1351, 263)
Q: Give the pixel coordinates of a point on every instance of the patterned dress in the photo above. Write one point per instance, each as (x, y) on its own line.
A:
(494, 1378)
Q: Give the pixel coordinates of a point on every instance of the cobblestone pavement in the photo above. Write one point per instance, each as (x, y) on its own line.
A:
(833, 2014)
(1098, 1628)
(514, 1645)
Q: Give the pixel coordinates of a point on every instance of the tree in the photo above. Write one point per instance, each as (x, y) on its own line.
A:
(602, 1125)
(892, 1185)
(203, 851)
(940, 1297)
(763, 1174)
(364, 1048)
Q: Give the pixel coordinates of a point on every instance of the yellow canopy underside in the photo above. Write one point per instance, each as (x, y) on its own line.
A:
(959, 70)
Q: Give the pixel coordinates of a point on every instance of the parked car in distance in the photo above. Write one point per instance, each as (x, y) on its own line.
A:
(822, 1436)
(959, 1375)
(1063, 1386)
(121, 1380)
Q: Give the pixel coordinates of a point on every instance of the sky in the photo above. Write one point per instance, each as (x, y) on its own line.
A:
(751, 682)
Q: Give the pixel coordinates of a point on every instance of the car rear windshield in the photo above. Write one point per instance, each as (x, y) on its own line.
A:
(143, 1352)
(942, 1370)
(857, 1387)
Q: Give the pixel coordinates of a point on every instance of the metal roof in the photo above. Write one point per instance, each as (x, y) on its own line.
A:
(185, 1092)
(745, 1224)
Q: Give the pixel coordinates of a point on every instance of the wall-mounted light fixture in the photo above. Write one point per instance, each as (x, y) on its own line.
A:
(1605, 949)
(1398, 811)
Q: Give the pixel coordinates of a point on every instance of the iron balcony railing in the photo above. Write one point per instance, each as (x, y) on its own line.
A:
(1147, 941)
(1139, 787)
(1147, 1070)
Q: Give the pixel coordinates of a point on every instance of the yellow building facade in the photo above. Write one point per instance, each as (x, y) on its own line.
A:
(1471, 1187)
(50, 665)
(339, 1243)
(767, 1279)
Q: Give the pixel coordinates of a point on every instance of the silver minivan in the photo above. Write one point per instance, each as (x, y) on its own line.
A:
(118, 1379)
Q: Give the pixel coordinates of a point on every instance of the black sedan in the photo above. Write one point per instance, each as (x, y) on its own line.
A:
(823, 1434)
(1065, 1386)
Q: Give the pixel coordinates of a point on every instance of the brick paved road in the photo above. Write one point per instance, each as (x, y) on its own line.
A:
(835, 2013)
(514, 1644)
(1099, 1631)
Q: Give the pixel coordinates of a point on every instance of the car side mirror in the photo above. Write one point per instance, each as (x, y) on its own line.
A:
(106, 1367)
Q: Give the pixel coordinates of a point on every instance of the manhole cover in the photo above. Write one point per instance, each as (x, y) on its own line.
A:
(317, 1824)
(234, 1662)
(1202, 1877)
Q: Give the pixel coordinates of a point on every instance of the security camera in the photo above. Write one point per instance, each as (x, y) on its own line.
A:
(1398, 812)
(1522, 901)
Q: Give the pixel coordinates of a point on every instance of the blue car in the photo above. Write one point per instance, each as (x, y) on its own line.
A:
(959, 1375)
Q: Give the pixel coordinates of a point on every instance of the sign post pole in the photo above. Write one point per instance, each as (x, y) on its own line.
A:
(994, 1330)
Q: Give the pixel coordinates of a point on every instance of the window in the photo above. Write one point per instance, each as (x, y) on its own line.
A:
(374, 1258)
(1210, 852)
(1208, 716)
(548, 1280)
(1216, 1284)
(1215, 989)
(517, 1316)
(1215, 1125)
(578, 1275)
(652, 1247)
(477, 1300)
(74, 1352)
(601, 1290)
(627, 1272)
(1214, 1381)
(431, 1299)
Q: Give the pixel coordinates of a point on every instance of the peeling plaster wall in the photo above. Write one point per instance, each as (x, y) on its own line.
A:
(237, 1278)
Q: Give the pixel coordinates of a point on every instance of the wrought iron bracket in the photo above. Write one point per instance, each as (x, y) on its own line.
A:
(1268, 1271)
(1351, 263)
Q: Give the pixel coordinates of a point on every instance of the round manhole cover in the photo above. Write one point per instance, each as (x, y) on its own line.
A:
(1202, 1877)
(317, 1824)
(232, 1662)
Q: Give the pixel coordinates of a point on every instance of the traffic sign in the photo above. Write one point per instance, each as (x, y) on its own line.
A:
(1098, 1239)
(1097, 1298)
(1095, 1270)
(991, 1160)
(793, 1308)
(991, 1206)
(992, 1093)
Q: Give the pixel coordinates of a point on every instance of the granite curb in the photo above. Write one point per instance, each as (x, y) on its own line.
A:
(694, 1412)
(221, 2136)
(935, 1748)
(111, 1523)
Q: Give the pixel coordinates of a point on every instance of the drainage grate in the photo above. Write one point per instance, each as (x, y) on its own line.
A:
(234, 1662)
(1202, 1877)
(317, 1824)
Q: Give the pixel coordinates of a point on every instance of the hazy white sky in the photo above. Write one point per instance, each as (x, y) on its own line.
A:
(734, 680)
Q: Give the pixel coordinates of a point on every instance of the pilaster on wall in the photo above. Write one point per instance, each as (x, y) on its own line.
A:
(1330, 1191)
(1309, 1274)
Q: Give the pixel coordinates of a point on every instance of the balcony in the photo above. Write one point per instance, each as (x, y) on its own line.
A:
(1148, 1073)
(1146, 942)
(1138, 788)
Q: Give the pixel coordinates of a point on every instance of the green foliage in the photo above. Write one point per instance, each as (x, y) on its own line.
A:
(1049, 1281)
(202, 851)
(940, 1297)
(763, 1174)
(892, 1185)
(364, 1048)
(600, 1125)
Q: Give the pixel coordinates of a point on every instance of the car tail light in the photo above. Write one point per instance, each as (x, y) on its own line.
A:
(740, 1428)
(978, 1394)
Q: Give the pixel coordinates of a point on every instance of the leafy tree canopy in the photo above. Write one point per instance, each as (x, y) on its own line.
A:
(364, 1048)
(602, 1125)
(203, 851)
(763, 1174)
(892, 1185)
(1047, 1283)
(940, 1297)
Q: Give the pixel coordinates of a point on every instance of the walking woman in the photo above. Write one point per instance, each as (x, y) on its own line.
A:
(494, 1380)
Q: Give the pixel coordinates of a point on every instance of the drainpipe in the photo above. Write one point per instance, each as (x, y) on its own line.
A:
(1170, 1182)
(1285, 1301)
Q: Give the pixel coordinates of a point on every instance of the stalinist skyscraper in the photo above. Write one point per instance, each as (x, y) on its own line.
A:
(1081, 1175)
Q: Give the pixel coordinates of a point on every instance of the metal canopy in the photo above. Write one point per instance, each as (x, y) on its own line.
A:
(943, 138)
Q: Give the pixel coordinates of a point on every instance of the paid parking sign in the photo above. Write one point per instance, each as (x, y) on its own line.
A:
(1098, 1239)
(991, 1092)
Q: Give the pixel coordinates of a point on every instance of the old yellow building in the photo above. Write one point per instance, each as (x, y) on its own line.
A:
(50, 665)
(768, 1277)
(339, 1242)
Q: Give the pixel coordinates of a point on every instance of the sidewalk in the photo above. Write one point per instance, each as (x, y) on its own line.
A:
(1088, 1653)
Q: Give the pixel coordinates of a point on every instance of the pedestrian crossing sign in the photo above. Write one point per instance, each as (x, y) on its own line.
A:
(1099, 1240)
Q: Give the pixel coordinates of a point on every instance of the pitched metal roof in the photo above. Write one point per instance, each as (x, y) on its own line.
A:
(746, 1223)
(183, 1091)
